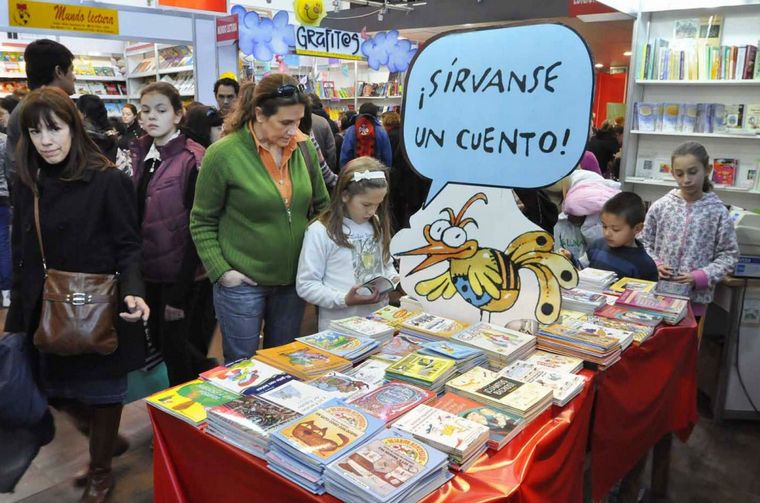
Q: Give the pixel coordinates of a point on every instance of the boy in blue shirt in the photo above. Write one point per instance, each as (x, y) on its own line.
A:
(622, 219)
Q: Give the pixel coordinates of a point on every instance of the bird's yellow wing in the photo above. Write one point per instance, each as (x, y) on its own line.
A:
(434, 288)
(529, 242)
(558, 265)
(549, 296)
(483, 274)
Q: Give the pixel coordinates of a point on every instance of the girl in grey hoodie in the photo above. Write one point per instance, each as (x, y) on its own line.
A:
(688, 232)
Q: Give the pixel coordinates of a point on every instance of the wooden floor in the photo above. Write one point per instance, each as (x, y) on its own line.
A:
(719, 464)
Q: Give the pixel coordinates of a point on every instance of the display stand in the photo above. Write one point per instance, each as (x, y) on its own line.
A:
(148, 63)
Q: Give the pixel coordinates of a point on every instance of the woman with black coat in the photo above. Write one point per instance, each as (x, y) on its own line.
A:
(88, 219)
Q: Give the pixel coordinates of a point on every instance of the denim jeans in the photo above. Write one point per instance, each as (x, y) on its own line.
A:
(5, 248)
(241, 310)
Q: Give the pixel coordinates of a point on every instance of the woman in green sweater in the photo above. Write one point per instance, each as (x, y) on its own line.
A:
(254, 197)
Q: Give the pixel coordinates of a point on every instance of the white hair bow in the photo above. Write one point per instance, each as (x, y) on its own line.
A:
(368, 175)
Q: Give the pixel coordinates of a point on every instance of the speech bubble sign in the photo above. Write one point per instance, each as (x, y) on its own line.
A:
(503, 107)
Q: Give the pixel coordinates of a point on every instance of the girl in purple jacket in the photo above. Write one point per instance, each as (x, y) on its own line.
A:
(688, 232)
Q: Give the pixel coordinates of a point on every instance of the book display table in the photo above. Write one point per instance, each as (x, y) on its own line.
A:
(543, 463)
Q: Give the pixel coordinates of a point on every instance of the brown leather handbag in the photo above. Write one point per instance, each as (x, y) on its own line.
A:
(78, 309)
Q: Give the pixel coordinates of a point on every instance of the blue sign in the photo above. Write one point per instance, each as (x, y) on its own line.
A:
(505, 107)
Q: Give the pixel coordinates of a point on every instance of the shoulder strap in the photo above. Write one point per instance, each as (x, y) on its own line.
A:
(304, 147)
(39, 231)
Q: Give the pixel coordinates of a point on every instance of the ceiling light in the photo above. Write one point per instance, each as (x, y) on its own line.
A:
(598, 65)
(627, 53)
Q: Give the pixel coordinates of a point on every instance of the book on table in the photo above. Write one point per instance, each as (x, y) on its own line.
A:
(298, 396)
(500, 345)
(392, 399)
(426, 371)
(672, 309)
(398, 347)
(465, 357)
(301, 360)
(371, 371)
(640, 333)
(393, 316)
(595, 279)
(571, 327)
(586, 301)
(342, 386)
(618, 313)
(431, 327)
(244, 377)
(564, 386)
(190, 400)
(553, 361)
(624, 283)
(350, 347)
(362, 327)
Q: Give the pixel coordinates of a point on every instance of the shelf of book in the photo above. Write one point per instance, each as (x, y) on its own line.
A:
(100, 78)
(672, 184)
(745, 82)
(178, 69)
(140, 75)
(103, 96)
(747, 136)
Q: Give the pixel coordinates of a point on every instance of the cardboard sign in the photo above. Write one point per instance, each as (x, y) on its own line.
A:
(226, 28)
(51, 16)
(328, 43)
(506, 107)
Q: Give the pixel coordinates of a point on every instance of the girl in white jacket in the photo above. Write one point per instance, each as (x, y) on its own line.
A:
(348, 245)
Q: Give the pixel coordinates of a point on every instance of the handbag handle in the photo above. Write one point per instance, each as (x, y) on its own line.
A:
(39, 231)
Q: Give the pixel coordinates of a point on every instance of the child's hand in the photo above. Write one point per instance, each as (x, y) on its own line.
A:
(687, 278)
(665, 271)
(354, 299)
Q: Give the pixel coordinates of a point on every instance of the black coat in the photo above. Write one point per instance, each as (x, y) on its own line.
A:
(88, 226)
(604, 146)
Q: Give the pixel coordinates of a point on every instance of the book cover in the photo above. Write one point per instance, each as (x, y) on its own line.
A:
(393, 316)
(747, 176)
(253, 414)
(341, 385)
(552, 361)
(392, 399)
(650, 301)
(431, 324)
(626, 315)
(494, 339)
(647, 116)
(563, 385)
(330, 431)
(701, 125)
(717, 118)
(724, 171)
(451, 350)
(242, 376)
(673, 289)
(752, 116)
(632, 284)
(500, 423)
(298, 396)
(442, 428)
(734, 116)
(422, 367)
(301, 358)
(645, 167)
(749, 67)
(688, 117)
(189, 401)
(337, 343)
(398, 347)
(670, 115)
(372, 372)
(357, 324)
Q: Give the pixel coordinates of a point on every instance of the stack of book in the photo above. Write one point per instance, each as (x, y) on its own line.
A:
(246, 377)
(391, 467)
(410, 303)
(371, 371)
(626, 283)
(555, 362)
(350, 347)
(671, 309)
(598, 349)
(526, 400)
(573, 326)
(465, 357)
(673, 289)
(425, 371)
(301, 360)
(502, 425)
(501, 345)
(362, 327)
(392, 400)
(393, 316)
(247, 423)
(431, 327)
(300, 450)
(463, 440)
(398, 347)
(595, 280)
(298, 396)
(564, 386)
(342, 386)
(584, 301)
(190, 400)
(639, 332)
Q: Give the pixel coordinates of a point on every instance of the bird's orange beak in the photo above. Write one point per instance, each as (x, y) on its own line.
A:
(436, 252)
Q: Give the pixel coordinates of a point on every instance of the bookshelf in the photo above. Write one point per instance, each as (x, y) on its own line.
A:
(646, 154)
(147, 63)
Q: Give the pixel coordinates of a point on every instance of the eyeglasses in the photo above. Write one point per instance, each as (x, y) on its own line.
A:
(284, 91)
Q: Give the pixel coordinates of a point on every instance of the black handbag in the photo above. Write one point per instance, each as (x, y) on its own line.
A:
(22, 403)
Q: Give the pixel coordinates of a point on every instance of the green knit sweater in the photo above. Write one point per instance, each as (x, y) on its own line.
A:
(239, 220)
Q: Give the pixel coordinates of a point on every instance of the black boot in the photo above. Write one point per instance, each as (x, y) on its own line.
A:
(103, 434)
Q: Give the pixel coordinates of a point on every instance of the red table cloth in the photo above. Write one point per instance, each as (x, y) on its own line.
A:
(543, 463)
(650, 392)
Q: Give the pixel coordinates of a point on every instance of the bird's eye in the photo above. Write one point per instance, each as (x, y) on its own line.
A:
(437, 228)
(454, 237)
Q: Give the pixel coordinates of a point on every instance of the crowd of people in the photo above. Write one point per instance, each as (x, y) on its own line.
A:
(245, 212)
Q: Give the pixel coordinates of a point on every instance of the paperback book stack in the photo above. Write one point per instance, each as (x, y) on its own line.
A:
(584, 301)
(362, 327)
(564, 386)
(190, 400)
(463, 440)
(626, 283)
(671, 309)
(302, 448)
(621, 314)
(246, 377)
(425, 371)
(640, 333)
(398, 347)
(390, 468)
(465, 357)
(526, 400)
(601, 350)
(501, 345)
(502, 425)
(555, 362)
(595, 280)
(392, 400)
(342, 386)
(431, 327)
(371, 371)
(298, 396)
(569, 325)
(350, 347)
(303, 361)
(247, 423)
(393, 316)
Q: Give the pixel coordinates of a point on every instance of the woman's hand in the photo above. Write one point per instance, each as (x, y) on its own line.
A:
(354, 299)
(233, 278)
(137, 309)
(665, 271)
(173, 313)
(686, 277)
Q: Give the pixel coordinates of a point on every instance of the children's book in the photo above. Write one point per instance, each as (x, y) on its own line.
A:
(356, 325)
(626, 315)
(398, 347)
(431, 325)
(672, 309)
(641, 285)
(559, 363)
(424, 368)
(647, 118)
(342, 386)
(670, 115)
(189, 401)
(450, 349)
(298, 396)
(724, 171)
(688, 117)
(392, 399)
(564, 386)
(673, 289)
(393, 316)
(251, 414)
(734, 117)
(372, 372)
(343, 345)
(752, 116)
(494, 339)
(243, 377)
(302, 360)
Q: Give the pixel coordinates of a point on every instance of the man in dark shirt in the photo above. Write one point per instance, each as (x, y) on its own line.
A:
(619, 251)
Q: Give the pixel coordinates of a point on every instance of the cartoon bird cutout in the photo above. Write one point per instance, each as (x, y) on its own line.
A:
(309, 12)
(488, 278)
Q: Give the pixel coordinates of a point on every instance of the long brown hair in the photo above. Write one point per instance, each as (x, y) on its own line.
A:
(38, 108)
(332, 217)
(263, 95)
(700, 154)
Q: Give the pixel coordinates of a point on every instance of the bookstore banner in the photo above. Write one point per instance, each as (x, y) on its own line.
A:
(52, 16)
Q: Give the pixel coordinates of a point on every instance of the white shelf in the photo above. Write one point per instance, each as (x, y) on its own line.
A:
(743, 82)
(140, 75)
(673, 185)
(176, 69)
(100, 78)
(11, 75)
(698, 135)
(102, 96)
